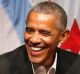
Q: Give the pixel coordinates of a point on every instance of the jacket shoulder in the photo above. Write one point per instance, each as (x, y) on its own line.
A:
(14, 61)
(65, 60)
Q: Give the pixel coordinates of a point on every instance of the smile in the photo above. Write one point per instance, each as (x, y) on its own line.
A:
(36, 49)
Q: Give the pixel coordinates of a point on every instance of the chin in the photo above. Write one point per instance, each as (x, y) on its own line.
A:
(36, 60)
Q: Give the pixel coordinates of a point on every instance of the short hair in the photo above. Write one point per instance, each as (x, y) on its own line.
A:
(47, 7)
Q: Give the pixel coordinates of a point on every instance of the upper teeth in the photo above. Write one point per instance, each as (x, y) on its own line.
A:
(36, 49)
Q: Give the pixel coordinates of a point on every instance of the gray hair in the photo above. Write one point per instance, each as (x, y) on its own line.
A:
(52, 8)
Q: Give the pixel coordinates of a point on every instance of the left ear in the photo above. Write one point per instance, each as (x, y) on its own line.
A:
(64, 36)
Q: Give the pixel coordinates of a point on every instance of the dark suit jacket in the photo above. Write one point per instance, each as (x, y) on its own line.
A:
(75, 69)
(17, 62)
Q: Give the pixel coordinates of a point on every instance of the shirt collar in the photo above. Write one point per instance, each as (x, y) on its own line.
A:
(53, 65)
(55, 61)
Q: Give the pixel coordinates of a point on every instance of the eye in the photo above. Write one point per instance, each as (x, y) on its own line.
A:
(45, 32)
(29, 30)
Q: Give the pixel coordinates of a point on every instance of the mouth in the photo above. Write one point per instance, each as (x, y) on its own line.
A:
(37, 49)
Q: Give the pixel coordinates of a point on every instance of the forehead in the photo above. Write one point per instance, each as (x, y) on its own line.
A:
(40, 18)
(42, 21)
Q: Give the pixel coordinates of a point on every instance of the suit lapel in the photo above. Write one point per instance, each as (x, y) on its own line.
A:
(24, 65)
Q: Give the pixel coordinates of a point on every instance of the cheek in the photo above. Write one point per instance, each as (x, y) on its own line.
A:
(52, 42)
(26, 36)
(49, 40)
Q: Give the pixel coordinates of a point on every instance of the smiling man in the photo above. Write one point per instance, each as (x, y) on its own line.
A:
(45, 28)
(42, 36)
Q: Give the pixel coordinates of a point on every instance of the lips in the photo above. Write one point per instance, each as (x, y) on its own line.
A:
(35, 48)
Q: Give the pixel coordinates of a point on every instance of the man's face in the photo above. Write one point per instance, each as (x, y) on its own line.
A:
(41, 37)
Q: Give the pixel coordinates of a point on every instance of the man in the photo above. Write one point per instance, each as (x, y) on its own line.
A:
(45, 28)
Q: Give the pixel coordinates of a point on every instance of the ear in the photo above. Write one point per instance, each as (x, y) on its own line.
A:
(64, 36)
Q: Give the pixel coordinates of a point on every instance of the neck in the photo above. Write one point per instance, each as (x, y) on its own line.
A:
(47, 63)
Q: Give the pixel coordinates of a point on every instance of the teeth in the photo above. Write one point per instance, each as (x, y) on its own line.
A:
(36, 49)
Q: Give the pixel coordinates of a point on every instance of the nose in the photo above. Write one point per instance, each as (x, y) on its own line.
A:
(35, 39)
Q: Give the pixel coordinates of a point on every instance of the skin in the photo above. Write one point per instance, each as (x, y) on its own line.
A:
(41, 33)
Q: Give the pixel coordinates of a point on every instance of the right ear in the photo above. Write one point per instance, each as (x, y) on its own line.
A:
(64, 36)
